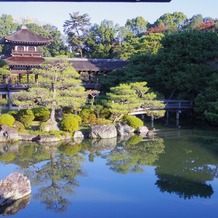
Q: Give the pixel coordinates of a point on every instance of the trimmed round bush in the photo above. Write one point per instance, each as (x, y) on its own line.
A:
(26, 117)
(41, 114)
(133, 121)
(7, 119)
(19, 126)
(70, 122)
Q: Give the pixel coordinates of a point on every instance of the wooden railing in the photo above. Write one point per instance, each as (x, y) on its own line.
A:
(170, 105)
(178, 104)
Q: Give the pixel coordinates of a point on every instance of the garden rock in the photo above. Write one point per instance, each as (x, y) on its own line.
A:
(150, 134)
(78, 134)
(47, 138)
(8, 133)
(143, 130)
(103, 131)
(27, 137)
(14, 187)
(124, 129)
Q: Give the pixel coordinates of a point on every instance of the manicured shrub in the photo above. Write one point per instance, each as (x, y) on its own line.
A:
(84, 113)
(133, 121)
(41, 114)
(25, 116)
(70, 122)
(7, 119)
(19, 126)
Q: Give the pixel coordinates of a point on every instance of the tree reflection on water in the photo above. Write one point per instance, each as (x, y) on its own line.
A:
(183, 166)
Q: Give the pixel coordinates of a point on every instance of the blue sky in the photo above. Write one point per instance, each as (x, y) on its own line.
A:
(55, 13)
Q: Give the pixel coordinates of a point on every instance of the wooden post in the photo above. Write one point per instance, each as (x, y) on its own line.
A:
(10, 100)
(152, 121)
(177, 118)
(19, 78)
(36, 78)
(167, 117)
(28, 78)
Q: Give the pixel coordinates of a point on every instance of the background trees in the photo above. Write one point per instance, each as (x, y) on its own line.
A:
(76, 29)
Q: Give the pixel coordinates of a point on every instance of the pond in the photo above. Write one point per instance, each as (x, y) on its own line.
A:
(175, 174)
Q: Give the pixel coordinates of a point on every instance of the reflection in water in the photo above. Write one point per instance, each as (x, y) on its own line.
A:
(14, 207)
(184, 165)
(185, 168)
(134, 155)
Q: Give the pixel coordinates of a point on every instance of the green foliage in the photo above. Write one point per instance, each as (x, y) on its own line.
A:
(84, 114)
(19, 126)
(76, 29)
(184, 62)
(105, 113)
(4, 68)
(126, 98)
(70, 122)
(41, 114)
(7, 119)
(133, 121)
(103, 121)
(134, 140)
(7, 158)
(13, 113)
(60, 86)
(25, 116)
(69, 149)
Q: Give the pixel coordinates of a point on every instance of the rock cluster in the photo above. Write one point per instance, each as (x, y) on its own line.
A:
(14, 187)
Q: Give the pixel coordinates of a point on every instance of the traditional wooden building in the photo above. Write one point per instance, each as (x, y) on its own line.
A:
(92, 70)
(23, 57)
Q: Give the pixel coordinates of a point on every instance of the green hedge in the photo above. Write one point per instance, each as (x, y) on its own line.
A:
(133, 121)
(7, 119)
(70, 122)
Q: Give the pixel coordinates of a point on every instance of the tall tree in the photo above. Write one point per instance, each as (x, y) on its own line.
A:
(76, 29)
(194, 22)
(171, 21)
(58, 86)
(137, 26)
(101, 39)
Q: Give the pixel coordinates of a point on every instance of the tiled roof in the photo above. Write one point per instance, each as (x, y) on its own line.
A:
(80, 64)
(96, 65)
(24, 61)
(23, 36)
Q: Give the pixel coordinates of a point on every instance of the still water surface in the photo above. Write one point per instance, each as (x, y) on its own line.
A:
(173, 175)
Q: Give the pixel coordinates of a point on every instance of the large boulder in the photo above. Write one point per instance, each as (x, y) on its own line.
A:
(8, 133)
(103, 131)
(14, 187)
(123, 129)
